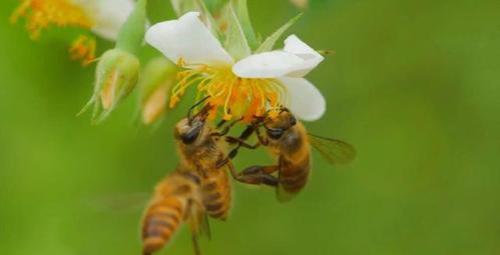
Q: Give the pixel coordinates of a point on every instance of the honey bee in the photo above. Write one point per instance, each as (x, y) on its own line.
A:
(290, 142)
(176, 199)
(200, 186)
(201, 147)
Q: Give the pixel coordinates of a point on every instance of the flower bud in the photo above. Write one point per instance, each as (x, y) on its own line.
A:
(155, 83)
(116, 75)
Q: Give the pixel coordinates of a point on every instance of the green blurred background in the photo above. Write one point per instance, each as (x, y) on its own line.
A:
(414, 85)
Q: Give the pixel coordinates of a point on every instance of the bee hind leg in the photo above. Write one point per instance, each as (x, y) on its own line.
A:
(257, 175)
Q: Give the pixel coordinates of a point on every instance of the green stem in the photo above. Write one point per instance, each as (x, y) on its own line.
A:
(131, 34)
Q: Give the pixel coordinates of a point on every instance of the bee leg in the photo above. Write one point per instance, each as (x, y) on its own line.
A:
(244, 179)
(226, 129)
(252, 170)
(241, 143)
(264, 173)
(269, 180)
(258, 175)
(221, 123)
(232, 154)
(258, 179)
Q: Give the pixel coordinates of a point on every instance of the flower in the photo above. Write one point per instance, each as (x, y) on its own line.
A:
(103, 17)
(244, 87)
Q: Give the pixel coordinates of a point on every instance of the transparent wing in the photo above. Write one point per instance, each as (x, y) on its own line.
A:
(198, 222)
(283, 196)
(333, 150)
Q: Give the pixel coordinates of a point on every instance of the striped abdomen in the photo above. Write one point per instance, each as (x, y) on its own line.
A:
(168, 208)
(216, 190)
(293, 175)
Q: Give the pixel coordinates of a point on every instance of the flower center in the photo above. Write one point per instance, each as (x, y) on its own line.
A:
(236, 97)
(40, 14)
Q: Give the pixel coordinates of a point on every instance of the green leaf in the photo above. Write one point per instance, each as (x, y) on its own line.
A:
(246, 24)
(131, 35)
(269, 43)
(236, 43)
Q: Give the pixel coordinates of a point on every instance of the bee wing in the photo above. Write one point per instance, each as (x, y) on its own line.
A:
(282, 196)
(333, 150)
(205, 227)
(198, 221)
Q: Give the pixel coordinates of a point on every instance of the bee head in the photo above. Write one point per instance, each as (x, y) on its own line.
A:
(191, 128)
(278, 121)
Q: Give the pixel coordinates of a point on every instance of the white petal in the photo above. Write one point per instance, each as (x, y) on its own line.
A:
(108, 15)
(311, 58)
(306, 102)
(187, 38)
(267, 65)
(296, 60)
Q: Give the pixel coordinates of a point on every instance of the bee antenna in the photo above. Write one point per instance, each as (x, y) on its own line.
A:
(190, 112)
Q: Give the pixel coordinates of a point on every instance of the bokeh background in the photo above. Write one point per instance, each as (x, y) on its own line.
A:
(414, 85)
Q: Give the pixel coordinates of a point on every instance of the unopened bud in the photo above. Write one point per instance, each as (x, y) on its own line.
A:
(155, 84)
(116, 75)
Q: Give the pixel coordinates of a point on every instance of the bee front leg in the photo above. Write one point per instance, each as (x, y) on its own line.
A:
(241, 143)
(232, 154)
(227, 128)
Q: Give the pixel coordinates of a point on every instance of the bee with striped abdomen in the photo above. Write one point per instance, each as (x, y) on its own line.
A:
(203, 148)
(290, 142)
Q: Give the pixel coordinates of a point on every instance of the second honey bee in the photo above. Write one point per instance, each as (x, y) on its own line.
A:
(290, 142)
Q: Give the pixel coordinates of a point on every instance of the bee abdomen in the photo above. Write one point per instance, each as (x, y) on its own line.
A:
(160, 223)
(293, 177)
(217, 196)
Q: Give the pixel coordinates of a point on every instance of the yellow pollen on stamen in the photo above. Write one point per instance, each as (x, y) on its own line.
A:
(40, 14)
(232, 96)
(83, 48)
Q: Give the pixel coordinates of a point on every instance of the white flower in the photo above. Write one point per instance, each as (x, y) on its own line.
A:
(107, 16)
(103, 17)
(243, 87)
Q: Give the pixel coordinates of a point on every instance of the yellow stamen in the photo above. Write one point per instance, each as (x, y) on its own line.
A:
(40, 14)
(83, 48)
(234, 97)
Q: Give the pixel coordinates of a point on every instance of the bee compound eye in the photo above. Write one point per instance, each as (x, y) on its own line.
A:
(275, 133)
(190, 136)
